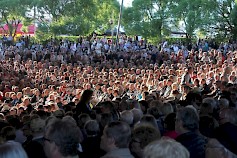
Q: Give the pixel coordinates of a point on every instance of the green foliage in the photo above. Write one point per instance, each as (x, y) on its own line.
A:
(147, 18)
(12, 13)
(79, 17)
(152, 19)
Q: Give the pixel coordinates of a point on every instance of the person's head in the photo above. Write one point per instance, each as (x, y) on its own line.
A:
(206, 109)
(127, 116)
(142, 135)
(61, 139)
(186, 120)
(87, 95)
(107, 106)
(149, 119)
(12, 150)
(190, 70)
(228, 115)
(137, 115)
(168, 148)
(170, 122)
(115, 135)
(105, 119)
(223, 103)
(154, 111)
(37, 125)
(82, 119)
(210, 101)
(166, 109)
(217, 150)
(8, 133)
(92, 128)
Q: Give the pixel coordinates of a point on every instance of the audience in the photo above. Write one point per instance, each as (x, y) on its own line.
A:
(74, 100)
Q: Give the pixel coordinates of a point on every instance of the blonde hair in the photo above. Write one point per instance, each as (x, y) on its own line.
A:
(167, 148)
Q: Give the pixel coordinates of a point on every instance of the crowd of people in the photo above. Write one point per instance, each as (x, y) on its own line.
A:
(93, 98)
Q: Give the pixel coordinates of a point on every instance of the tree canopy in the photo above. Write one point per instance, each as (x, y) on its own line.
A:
(150, 19)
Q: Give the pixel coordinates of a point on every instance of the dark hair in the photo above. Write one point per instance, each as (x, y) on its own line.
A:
(170, 121)
(8, 133)
(106, 118)
(154, 111)
(82, 119)
(149, 119)
(144, 104)
(86, 95)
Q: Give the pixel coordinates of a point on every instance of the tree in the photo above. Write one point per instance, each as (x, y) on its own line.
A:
(12, 13)
(78, 16)
(224, 15)
(193, 13)
(147, 18)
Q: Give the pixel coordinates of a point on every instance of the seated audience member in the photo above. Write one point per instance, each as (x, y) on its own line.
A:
(108, 107)
(226, 132)
(149, 119)
(170, 126)
(215, 149)
(165, 148)
(187, 126)
(34, 148)
(115, 140)
(137, 115)
(91, 144)
(223, 103)
(12, 150)
(82, 119)
(8, 133)
(105, 119)
(127, 116)
(61, 139)
(154, 111)
(142, 135)
(207, 122)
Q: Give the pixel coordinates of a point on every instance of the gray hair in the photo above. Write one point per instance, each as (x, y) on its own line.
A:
(137, 115)
(12, 150)
(120, 131)
(189, 118)
(165, 148)
(127, 116)
(66, 136)
(210, 101)
(224, 103)
(92, 127)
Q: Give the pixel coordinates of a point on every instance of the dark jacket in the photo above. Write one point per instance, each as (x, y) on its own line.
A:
(91, 148)
(194, 142)
(82, 107)
(35, 149)
(226, 135)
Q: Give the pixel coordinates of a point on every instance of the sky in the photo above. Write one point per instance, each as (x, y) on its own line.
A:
(127, 3)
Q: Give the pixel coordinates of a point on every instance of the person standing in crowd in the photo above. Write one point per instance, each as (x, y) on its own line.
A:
(84, 105)
(187, 77)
